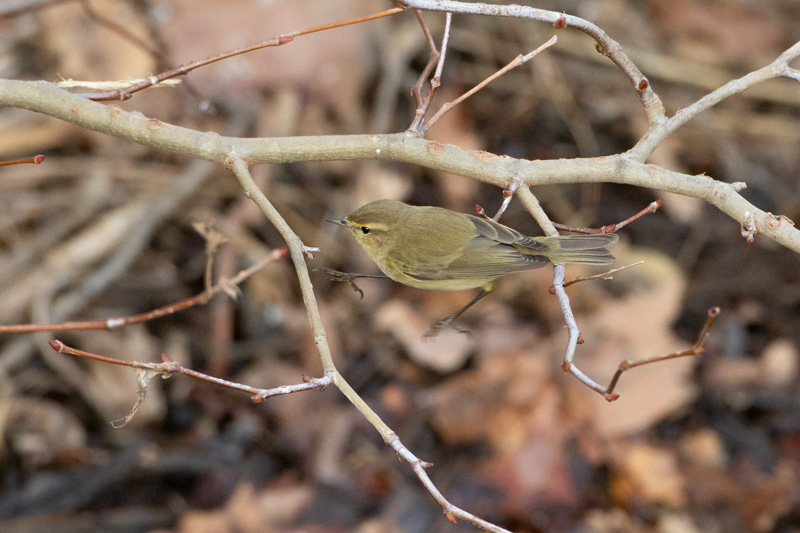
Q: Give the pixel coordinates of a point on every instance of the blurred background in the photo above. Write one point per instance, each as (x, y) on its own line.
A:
(104, 228)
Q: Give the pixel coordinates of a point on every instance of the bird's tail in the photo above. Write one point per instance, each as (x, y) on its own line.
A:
(587, 249)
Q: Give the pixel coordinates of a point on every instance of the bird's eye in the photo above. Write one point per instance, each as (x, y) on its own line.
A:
(365, 230)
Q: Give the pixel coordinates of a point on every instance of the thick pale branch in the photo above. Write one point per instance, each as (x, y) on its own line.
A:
(48, 99)
(297, 251)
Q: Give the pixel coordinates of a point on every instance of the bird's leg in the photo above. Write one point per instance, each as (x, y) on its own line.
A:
(335, 275)
(448, 322)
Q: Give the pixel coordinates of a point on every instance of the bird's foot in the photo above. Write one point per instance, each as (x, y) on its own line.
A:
(442, 324)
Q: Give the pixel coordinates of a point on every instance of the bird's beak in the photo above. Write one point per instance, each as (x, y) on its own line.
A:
(340, 221)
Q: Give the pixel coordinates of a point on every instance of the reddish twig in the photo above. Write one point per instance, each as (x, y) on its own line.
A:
(696, 349)
(110, 323)
(278, 40)
(35, 160)
(517, 61)
(167, 367)
(416, 89)
(575, 337)
(611, 228)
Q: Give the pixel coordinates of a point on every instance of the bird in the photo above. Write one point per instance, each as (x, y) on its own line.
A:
(435, 248)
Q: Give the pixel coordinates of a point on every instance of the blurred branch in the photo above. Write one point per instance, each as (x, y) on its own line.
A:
(224, 285)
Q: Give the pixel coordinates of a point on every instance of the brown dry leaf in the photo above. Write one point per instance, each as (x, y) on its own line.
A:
(463, 407)
(377, 526)
(648, 474)
(610, 521)
(538, 472)
(677, 523)
(249, 511)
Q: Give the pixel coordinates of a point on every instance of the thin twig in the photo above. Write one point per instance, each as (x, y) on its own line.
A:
(35, 160)
(508, 194)
(450, 511)
(660, 130)
(696, 349)
(574, 334)
(605, 275)
(517, 61)
(532, 205)
(611, 228)
(437, 58)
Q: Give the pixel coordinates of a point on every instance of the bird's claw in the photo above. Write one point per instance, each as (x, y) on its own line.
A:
(335, 275)
(442, 324)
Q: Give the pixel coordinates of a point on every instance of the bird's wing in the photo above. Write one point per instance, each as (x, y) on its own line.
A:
(490, 254)
(490, 229)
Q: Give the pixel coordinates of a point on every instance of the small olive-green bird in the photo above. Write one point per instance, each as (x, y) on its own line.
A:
(435, 248)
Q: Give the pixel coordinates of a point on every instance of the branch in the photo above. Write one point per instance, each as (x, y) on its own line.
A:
(48, 99)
